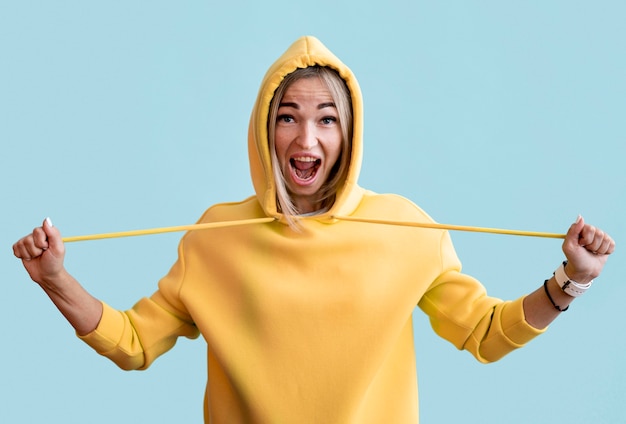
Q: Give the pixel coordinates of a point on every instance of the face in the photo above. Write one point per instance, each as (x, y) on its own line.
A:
(308, 140)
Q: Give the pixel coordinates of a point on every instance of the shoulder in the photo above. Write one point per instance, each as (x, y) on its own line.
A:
(248, 208)
(391, 206)
(222, 215)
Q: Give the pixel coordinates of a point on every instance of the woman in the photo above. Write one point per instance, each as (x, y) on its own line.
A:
(307, 318)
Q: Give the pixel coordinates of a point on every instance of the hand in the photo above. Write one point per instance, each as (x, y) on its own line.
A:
(42, 253)
(586, 249)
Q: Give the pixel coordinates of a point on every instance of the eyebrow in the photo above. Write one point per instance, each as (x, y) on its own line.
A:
(297, 106)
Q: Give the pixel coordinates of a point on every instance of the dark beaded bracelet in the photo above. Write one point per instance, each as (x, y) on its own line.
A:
(557, 307)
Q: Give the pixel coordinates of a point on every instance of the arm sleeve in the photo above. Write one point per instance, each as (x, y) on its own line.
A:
(461, 312)
(133, 339)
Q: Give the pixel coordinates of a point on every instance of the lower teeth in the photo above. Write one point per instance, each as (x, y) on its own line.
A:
(305, 175)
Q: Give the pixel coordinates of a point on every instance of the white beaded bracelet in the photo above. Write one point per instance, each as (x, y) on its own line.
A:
(569, 286)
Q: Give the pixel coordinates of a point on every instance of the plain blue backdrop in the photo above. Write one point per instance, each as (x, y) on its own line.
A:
(127, 115)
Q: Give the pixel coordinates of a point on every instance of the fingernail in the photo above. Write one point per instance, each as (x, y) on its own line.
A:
(49, 222)
(578, 219)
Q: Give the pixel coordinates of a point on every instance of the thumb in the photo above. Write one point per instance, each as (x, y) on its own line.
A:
(573, 235)
(55, 242)
(576, 228)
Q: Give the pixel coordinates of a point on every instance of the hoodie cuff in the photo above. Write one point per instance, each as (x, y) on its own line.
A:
(106, 336)
(514, 323)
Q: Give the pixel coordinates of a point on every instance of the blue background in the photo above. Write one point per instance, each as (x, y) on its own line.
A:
(126, 115)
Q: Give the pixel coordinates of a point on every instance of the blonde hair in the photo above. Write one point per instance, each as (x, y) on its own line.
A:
(343, 102)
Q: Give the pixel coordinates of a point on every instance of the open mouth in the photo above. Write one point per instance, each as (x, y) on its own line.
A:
(305, 168)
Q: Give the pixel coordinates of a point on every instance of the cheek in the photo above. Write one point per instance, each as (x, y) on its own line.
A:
(280, 144)
(334, 148)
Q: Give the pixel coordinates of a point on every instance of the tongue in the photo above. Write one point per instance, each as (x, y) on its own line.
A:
(303, 166)
(304, 170)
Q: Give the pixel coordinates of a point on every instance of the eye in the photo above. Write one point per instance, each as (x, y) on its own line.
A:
(328, 120)
(287, 119)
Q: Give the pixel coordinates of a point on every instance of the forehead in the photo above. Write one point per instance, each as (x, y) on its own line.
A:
(308, 89)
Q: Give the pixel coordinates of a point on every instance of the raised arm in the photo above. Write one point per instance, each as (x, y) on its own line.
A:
(42, 254)
(586, 249)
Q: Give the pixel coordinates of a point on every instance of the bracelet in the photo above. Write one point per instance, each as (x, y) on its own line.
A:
(557, 307)
(570, 287)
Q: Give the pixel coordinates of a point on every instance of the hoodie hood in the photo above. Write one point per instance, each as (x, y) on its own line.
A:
(304, 52)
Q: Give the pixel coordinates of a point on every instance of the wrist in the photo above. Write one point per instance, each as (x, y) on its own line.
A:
(568, 285)
(576, 276)
(55, 282)
(557, 297)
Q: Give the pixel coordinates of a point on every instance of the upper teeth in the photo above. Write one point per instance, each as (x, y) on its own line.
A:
(305, 159)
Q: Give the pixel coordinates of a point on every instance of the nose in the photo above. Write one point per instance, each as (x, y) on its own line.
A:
(307, 138)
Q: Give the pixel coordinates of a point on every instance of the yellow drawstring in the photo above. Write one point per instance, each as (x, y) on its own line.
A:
(452, 227)
(223, 224)
(161, 230)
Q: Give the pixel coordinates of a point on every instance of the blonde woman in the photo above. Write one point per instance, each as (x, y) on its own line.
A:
(307, 317)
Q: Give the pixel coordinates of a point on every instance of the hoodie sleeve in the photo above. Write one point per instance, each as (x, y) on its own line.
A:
(133, 339)
(461, 312)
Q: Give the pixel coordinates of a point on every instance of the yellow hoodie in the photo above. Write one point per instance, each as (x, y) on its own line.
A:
(311, 326)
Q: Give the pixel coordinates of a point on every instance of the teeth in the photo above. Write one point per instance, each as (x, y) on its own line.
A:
(305, 159)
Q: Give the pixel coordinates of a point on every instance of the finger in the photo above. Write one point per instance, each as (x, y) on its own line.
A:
(606, 247)
(33, 246)
(26, 248)
(611, 247)
(587, 235)
(40, 239)
(596, 242)
(20, 251)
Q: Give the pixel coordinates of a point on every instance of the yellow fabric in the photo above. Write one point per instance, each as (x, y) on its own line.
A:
(312, 326)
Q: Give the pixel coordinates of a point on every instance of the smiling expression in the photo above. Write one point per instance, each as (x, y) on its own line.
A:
(308, 140)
